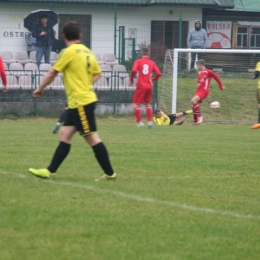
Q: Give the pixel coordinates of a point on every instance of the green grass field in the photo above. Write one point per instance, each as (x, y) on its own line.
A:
(182, 192)
(238, 100)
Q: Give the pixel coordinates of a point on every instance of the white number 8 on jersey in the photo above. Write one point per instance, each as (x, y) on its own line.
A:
(145, 69)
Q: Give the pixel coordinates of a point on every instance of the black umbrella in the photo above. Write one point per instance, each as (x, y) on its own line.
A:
(34, 18)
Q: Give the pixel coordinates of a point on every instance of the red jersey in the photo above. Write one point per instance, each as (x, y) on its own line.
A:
(145, 68)
(204, 79)
(2, 72)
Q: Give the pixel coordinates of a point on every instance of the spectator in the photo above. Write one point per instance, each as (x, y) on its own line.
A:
(197, 39)
(44, 35)
(30, 41)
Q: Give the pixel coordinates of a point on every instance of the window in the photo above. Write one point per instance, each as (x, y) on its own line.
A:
(167, 33)
(255, 37)
(246, 35)
(242, 36)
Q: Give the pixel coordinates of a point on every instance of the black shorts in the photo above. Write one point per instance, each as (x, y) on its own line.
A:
(82, 118)
(172, 118)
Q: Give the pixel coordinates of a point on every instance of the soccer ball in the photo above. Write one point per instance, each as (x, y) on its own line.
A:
(214, 105)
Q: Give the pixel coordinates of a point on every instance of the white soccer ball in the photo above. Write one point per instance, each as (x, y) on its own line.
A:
(214, 105)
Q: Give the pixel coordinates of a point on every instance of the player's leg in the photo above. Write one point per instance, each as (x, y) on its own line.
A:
(148, 94)
(179, 121)
(138, 99)
(257, 125)
(60, 121)
(138, 115)
(101, 155)
(184, 113)
(60, 154)
(88, 130)
(196, 108)
(178, 118)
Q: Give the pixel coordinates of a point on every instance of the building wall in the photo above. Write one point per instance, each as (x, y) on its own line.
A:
(102, 41)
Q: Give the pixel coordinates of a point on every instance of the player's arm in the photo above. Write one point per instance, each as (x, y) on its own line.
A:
(157, 122)
(157, 72)
(217, 78)
(96, 70)
(49, 77)
(133, 72)
(3, 74)
(96, 77)
(164, 116)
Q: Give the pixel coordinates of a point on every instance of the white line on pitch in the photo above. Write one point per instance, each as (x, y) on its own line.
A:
(200, 177)
(142, 199)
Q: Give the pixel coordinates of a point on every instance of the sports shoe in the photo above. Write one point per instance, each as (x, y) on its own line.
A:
(188, 112)
(42, 173)
(150, 124)
(56, 128)
(140, 125)
(106, 177)
(255, 126)
(199, 120)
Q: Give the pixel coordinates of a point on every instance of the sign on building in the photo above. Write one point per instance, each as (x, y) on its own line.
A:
(219, 34)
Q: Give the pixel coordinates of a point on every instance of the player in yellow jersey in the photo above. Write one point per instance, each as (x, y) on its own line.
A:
(160, 118)
(81, 70)
(257, 76)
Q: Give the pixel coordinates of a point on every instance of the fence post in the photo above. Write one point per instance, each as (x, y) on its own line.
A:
(133, 50)
(180, 39)
(114, 91)
(115, 26)
(123, 45)
(34, 99)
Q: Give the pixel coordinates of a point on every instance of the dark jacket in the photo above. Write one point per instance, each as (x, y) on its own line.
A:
(37, 34)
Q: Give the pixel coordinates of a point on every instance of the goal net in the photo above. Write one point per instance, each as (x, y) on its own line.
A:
(236, 69)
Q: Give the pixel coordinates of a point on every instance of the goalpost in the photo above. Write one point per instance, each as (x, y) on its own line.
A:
(223, 61)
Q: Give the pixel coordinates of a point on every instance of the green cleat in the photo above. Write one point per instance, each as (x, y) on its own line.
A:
(42, 173)
(106, 177)
(188, 112)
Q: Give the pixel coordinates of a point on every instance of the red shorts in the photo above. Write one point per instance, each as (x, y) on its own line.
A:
(143, 96)
(202, 94)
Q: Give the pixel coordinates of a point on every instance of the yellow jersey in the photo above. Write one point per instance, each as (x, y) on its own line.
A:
(78, 64)
(161, 120)
(257, 68)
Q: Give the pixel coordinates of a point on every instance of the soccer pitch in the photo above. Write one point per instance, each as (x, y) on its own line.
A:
(182, 192)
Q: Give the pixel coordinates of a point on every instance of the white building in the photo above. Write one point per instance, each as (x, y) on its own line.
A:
(144, 20)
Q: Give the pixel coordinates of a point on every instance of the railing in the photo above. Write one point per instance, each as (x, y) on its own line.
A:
(113, 87)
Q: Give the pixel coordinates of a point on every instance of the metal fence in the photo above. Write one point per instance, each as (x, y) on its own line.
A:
(113, 87)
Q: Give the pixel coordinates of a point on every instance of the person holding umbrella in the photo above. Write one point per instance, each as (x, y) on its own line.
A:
(44, 35)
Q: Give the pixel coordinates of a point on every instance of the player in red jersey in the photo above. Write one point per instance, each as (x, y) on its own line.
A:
(204, 78)
(3, 75)
(144, 86)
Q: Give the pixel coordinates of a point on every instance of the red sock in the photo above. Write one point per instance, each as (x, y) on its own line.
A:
(138, 116)
(196, 111)
(149, 113)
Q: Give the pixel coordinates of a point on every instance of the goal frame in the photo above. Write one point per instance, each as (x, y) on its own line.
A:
(175, 65)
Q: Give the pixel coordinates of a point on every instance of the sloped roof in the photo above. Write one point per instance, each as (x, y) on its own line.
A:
(209, 3)
(247, 5)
